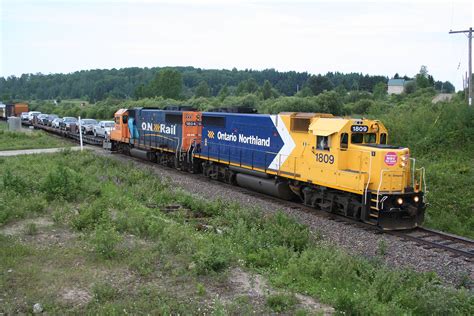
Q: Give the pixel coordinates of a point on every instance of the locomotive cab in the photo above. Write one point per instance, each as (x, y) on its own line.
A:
(393, 196)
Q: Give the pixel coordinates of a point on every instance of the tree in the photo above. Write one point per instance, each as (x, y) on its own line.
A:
(267, 92)
(170, 84)
(319, 83)
(247, 86)
(202, 90)
(223, 93)
(410, 87)
(380, 90)
(447, 87)
(139, 91)
(397, 76)
(422, 80)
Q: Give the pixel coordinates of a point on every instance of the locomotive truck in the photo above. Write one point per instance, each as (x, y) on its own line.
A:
(339, 165)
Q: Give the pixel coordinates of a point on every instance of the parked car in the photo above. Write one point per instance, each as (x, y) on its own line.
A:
(56, 123)
(103, 128)
(32, 115)
(66, 123)
(87, 126)
(24, 116)
(41, 119)
(50, 119)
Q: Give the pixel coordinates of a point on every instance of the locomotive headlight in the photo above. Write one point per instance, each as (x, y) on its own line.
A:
(403, 164)
(400, 201)
(416, 199)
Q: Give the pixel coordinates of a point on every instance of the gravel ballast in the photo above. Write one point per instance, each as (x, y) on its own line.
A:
(397, 253)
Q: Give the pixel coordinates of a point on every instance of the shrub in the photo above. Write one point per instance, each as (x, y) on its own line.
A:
(62, 183)
(91, 216)
(212, 257)
(14, 182)
(105, 240)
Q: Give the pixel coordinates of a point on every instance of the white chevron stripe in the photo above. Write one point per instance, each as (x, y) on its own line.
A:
(288, 143)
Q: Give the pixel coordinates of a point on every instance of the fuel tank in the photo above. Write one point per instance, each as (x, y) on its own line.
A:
(267, 186)
(138, 153)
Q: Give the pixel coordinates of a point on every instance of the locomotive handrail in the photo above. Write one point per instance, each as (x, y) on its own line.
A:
(423, 181)
(368, 180)
(413, 172)
(380, 185)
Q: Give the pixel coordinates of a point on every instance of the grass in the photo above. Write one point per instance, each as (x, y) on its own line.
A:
(28, 139)
(131, 253)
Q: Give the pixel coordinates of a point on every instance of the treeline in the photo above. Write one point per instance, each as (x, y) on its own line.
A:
(134, 83)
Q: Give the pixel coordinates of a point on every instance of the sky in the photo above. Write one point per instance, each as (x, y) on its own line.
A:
(373, 37)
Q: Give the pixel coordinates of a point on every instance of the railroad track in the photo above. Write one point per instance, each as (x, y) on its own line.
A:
(428, 238)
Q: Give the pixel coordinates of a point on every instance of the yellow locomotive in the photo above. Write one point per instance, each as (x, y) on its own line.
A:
(345, 165)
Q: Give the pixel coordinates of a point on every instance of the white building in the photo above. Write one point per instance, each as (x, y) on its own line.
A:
(396, 86)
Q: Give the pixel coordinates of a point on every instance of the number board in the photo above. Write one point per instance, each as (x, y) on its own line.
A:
(359, 128)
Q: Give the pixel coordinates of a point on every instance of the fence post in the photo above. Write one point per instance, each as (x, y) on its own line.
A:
(80, 132)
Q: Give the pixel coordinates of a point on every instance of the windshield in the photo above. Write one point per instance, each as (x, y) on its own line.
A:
(70, 119)
(89, 122)
(109, 124)
(366, 138)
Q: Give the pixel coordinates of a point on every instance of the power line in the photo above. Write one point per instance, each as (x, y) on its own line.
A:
(469, 80)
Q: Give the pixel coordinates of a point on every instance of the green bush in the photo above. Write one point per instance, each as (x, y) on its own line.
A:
(211, 257)
(105, 240)
(92, 215)
(14, 182)
(62, 183)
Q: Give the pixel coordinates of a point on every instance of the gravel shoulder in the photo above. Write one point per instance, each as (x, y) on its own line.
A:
(396, 252)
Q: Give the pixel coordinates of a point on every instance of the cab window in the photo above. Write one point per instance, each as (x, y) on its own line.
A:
(363, 138)
(383, 138)
(344, 140)
(357, 138)
(322, 142)
(370, 138)
(125, 119)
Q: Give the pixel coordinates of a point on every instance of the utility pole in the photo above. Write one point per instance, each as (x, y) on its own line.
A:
(469, 81)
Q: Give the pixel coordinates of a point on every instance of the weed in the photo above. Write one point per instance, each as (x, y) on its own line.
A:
(201, 289)
(31, 229)
(104, 292)
(382, 247)
(143, 263)
(281, 302)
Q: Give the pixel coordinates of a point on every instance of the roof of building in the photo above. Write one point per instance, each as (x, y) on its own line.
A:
(396, 82)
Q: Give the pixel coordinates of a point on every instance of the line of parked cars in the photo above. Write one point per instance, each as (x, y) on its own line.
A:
(88, 126)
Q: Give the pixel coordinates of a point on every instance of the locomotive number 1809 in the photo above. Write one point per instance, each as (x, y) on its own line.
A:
(359, 128)
(325, 158)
